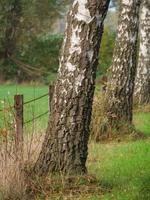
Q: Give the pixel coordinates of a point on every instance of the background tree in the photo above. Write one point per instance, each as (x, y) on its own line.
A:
(142, 83)
(121, 83)
(65, 146)
(10, 13)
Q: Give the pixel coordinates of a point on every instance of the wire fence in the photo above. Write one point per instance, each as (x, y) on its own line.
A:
(18, 106)
(14, 131)
(40, 115)
(33, 100)
(25, 103)
(37, 117)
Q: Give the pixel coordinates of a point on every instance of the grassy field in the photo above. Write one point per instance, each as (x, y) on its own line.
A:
(122, 169)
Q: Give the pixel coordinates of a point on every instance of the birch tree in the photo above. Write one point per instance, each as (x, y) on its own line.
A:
(142, 83)
(121, 83)
(65, 146)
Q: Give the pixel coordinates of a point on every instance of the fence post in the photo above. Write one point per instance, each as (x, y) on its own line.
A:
(51, 90)
(18, 105)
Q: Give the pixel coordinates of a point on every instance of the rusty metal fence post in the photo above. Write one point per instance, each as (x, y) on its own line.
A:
(18, 106)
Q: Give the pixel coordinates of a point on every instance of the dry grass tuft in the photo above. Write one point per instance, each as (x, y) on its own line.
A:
(142, 108)
(99, 122)
(12, 177)
(101, 130)
(72, 187)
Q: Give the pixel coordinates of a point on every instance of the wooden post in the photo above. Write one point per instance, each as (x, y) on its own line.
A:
(51, 90)
(18, 105)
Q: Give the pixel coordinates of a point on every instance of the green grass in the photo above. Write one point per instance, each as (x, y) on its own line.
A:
(142, 122)
(124, 167)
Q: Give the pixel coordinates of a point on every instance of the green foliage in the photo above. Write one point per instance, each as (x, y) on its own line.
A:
(33, 43)
(106, 51)
(25, 34)
(42, 52)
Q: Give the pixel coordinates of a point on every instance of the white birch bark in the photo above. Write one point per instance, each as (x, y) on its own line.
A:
(142, 83)
(121, 84)
(65, 146)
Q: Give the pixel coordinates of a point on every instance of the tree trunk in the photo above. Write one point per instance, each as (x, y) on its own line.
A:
(121, 83)
(10, 18)
(142, 83)
(65, 145)
(10, 13)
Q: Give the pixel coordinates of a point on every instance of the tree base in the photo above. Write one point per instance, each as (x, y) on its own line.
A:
(123, 132)
(68, 187)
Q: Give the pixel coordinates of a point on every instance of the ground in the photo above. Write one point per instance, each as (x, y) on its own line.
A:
(116, 170)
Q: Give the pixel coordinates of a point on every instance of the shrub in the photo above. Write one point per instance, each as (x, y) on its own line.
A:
(102, 130)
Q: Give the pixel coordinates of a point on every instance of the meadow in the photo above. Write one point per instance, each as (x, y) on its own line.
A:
(122, 169)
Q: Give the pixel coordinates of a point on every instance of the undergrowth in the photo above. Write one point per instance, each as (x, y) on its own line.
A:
(13, 180)
(101, 130)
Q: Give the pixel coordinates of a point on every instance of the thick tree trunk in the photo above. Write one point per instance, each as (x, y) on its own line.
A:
(121, 84)
(65, 145)
(142, 83)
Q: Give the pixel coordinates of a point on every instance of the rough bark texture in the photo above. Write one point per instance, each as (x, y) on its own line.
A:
(121, 83)
(65, 145)
(142, 83)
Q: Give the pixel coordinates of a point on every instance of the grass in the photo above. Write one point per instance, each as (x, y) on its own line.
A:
(142, 122)
(122, 169)
(125, 166)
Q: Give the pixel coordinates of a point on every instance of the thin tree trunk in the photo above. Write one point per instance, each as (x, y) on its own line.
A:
(121, 83)
(142, 83)
(65, 145)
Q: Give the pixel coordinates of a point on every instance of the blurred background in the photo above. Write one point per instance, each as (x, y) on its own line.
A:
(31, 35)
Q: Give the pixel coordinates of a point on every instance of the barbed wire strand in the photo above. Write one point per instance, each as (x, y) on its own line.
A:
(32, 100)
(37, 117)
(27, 102)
